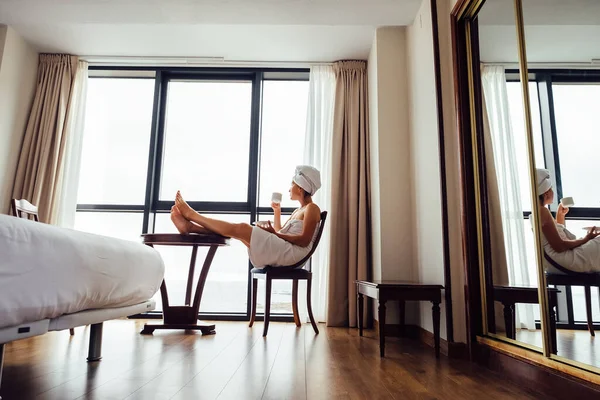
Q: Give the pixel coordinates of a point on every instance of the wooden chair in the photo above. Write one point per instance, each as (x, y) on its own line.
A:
(24, 209)
(295, 273)
(570, 278)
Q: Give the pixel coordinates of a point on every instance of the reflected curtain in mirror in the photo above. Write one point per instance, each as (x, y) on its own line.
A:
(509, 255)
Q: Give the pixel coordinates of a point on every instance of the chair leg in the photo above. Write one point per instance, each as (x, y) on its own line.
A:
(267, 305)
(254, 295)
(72, 331)
(295, 303)
(309, 304)
(588, 309)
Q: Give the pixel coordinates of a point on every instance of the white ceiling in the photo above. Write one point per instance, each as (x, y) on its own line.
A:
(249, 30)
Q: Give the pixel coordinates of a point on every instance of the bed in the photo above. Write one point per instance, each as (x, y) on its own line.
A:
(55, 279)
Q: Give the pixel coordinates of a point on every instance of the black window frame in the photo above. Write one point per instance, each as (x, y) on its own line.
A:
(544, 78)
(152, 203)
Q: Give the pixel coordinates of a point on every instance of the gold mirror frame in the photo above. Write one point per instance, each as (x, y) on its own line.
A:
(469, 115)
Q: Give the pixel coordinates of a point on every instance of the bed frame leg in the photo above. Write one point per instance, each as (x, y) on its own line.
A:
(1, 363)
(95, 352)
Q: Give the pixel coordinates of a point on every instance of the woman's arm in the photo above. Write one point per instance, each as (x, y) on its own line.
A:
(276, 215)
(312, 217)
(551, 233)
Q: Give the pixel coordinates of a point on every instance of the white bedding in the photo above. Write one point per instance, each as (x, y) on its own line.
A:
(46, 271)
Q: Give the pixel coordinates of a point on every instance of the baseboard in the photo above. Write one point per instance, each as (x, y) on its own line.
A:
(449, 349)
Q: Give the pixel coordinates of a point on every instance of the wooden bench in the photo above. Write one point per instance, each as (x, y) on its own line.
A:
(402, 292)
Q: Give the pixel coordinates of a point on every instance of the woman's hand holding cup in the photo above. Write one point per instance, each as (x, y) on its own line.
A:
(276, 207)
(276, 202)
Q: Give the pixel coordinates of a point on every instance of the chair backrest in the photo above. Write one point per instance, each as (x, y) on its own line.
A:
(24, 209)
(315, 244)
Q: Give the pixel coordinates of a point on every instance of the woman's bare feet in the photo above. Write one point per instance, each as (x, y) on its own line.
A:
(183, 225)
(184, 208)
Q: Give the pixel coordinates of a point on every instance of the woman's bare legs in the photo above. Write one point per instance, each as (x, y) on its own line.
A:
(242, 232)
(183, 225)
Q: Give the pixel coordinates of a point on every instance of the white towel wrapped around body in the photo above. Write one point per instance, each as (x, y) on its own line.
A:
(268, 249)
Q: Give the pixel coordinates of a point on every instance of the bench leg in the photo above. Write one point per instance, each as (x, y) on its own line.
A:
(402, 317)
(553, 338)
(382, 328)
(1, 363)
(588, 309)
(509, 321)
(436, 328)
(95, 350)
(360, 305)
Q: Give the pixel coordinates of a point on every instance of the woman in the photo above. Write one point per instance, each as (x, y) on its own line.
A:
(269, 244)
(578, 255)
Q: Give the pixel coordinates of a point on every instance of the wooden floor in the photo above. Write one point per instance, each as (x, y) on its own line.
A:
(238, 363)
(575, 345)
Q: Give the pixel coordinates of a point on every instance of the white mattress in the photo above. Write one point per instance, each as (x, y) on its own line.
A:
(46, 271)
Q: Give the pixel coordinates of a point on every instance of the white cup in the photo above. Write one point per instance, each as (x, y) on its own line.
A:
(276, 197)
(567, 202)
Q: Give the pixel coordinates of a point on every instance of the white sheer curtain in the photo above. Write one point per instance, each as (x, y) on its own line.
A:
(503, 142)
(317, 152)
(67, 195)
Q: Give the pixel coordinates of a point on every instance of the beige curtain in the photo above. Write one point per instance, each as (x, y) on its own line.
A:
(39, 176)
(499, 265)
(350, 225)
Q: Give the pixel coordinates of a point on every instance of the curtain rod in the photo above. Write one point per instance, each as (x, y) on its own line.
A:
(193, 62)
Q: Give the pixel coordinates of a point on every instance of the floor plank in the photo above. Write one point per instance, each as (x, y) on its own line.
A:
(287, 379)
(238, 363)
(575, 345)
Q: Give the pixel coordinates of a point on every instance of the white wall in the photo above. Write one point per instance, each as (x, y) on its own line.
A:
(390, 160)
(425, 166)
(18, 69)
(374, 156)
(405, 175)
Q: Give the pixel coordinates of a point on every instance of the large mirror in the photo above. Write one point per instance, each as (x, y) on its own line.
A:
(563, 54)
(509, 270)
(527, 74)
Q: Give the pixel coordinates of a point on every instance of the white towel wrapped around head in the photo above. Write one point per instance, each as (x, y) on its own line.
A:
(308, 178)
(543, 180)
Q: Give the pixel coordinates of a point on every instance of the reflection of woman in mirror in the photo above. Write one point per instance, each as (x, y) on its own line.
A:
(578, 255)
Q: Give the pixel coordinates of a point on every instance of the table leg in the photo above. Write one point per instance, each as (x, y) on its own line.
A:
(188, 289)
(360, 313)
(436, 327)
(382, 328)
(185, 317)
